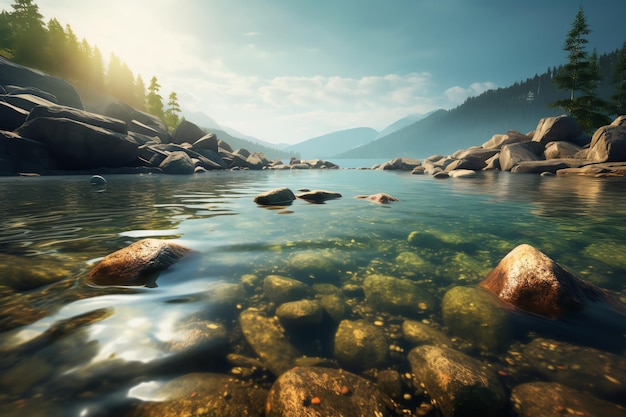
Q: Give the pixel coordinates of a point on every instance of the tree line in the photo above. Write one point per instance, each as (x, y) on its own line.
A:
(27, 40)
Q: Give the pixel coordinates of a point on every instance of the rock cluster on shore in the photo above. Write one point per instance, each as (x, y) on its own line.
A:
(45, 130)
(558, 146)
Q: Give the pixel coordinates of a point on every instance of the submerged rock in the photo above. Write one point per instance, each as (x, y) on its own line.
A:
(313, 391)
(205, 394)
(458, 384)
(267, 338)
(549, 399)
(531, 281)
(280, 290)
(359, 345)
(380, 198)
(137, 264)
(278, 196)
(417, 333)
(397, 296)
(476, 315)
(300, 313)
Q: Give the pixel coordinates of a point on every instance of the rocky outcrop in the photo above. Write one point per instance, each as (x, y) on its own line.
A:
(531, 281)
(137, 264)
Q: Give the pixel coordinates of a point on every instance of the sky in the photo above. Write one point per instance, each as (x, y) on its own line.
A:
(288, 70)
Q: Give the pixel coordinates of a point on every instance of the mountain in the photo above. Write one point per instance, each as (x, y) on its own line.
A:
(518, 107)
(334, 143)
(402, 123)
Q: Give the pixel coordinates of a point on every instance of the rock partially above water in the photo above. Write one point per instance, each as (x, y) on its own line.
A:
(318, 196)
(138, 263)
(279, 196)
(531, 281)
(380, 198)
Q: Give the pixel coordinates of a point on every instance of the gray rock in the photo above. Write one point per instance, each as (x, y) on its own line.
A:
(460, 385)
(549, 165)
(281, 290)
(511, 155)
(177, 163)
(122, 111)
(267, 338)
(608, 144)
(257, 160)
(318, 196)
(278, 196)
(205, 394)
(187, 132)
(462, 173)
(150, 131)
(315, 264)
(560, 149)
(206, 142)
(478, 316)
(499, 140)
(417, 334)
(397, 296)
(607, 169)
(359, 345)
(300, 313)
(582, 368)
(313, 391)
(559, 128)
(549, 399)
(76, 145)
(114, 125)
(11, 117)
(468, 163)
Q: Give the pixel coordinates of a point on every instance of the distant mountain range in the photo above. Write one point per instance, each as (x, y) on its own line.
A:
(518, 107)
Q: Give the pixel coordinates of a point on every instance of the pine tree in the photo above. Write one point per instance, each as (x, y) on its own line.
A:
(140, 93)
(28, 34)
(580, 76)
(172, 118)
(154, 101)
(618, 99)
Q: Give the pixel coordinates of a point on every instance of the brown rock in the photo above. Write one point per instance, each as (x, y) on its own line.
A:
(380, 198)
(560, 149)
(138, 263)
(608, 144)
(559, 128)
(533, 282)
(318, 196)
(279, 196)
(511, 155)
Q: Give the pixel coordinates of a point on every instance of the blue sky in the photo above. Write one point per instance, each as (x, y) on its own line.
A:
(289, 70)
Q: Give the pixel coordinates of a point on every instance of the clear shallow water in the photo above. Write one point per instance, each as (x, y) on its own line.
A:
(54, 229)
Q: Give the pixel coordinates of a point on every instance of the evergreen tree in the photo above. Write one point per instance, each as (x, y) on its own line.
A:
(618, 99)
(580, 76)
(56, 47)
(154, 101)
(140, 93)
(5, 35)
(172, 118)
(28, 34)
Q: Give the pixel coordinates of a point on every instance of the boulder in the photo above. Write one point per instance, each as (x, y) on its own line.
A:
(207, 142)
(582, 368)
(257, 160)
(458, 384)
(608, 144)
(27, 101)
(550, 399)
(178, 163)
(478, 153)
(114, 125)
(222, 145)
(531, 281)
(548, 165)
(151, 131)
(267, 338)
(560, 149)
(511, 155)
(314, 391)
(138, 263)
(417, 333)
(76, 145)
(467, 163)
(334, 306)
(301, 313)
(122, 111)
(278, 196)
(498, 141)
(619, 121)
(607, 169)
(281, 290)
(319, 265)
(214, 157)
(187, 132)
(12, 74)
(478, 316)
(397, 296)
(14, 90)
(462, 173)
(206, 394)
(19, 155)
(559, 128)
(11, 117)
(380, 198)
(359, 345)
(318, 196)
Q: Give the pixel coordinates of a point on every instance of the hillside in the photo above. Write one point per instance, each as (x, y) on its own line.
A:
(518, 107)
(333, 143)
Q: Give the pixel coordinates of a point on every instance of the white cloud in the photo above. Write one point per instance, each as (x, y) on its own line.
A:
(458, 94)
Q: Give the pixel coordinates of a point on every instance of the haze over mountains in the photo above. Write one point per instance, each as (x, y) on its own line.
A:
(517, 107)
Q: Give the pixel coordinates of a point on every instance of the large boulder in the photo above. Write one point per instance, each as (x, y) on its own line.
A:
(206, 142)
(11, 117)
(187, 132)
(18, 75)
(608, 144)
(459, 384)
(122, 111)
(178, 163)
(560, 149)
(511, 155)
(27, 101)
(313, 391)
(531, 281)
(76, 145)
(114, 125)
(548, 165)
(151, 131)
(560, 128)
(138, 263)
(19, 155)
